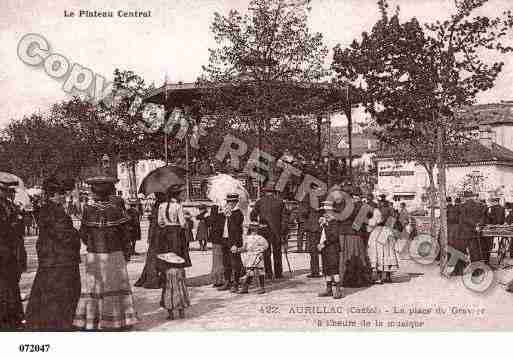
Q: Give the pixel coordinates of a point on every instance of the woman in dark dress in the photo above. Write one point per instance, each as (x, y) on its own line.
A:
(56, 288)
(149, 278)
(11, 309)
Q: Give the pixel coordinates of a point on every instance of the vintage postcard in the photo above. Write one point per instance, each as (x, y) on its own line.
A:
(256, 165)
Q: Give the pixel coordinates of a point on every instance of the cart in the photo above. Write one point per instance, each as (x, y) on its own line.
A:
(504, 235)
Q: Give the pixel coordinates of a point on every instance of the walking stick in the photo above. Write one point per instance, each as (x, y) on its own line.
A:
(286, 249)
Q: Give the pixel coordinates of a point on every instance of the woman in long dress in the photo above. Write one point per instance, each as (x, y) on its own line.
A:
(382, 250)
(11, 309)
(149, 278)
(354, 264)
(106, 301)
(56, 288)
(172, 225)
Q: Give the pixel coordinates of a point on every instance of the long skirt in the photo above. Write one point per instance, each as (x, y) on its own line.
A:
(174, 239)
(11, 309)
(149, 278)
(202, 233)
(382, 250)
(217, 273)
(54, 298)
(174, 292)
(354, 264)
(106, 301)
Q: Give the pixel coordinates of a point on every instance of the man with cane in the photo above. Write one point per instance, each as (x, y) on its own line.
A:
(272, 212)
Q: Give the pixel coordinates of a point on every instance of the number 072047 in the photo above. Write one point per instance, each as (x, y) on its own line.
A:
(34, 348)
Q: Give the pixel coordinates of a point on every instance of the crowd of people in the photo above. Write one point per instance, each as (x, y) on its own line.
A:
(466, 217)
(99, 296)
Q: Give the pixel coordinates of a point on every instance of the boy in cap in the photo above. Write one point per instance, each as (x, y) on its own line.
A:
(232, 219)
(329, 247)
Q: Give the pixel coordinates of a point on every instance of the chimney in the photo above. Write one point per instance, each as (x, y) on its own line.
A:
(485, 136)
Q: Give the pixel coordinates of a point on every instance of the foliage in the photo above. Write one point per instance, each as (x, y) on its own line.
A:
(417, 77)
(263, 66)
(76, 133)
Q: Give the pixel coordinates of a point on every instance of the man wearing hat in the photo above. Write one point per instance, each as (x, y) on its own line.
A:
(271, 211)
(232, 219)
(496, 215)
(472, 215)
(312, 228)
(11, 309)
(134, 224)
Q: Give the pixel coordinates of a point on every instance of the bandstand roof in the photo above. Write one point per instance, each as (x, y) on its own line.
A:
(328, 96)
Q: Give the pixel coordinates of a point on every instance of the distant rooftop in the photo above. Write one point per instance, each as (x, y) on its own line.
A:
(488, 114)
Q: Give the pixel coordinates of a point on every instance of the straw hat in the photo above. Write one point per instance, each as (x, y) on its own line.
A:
(171, 258)
(326, 206)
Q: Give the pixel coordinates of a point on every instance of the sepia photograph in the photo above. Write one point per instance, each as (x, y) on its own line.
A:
(325, 166)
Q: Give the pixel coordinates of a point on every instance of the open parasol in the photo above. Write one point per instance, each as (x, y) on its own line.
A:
(161, 179)
(21, 196)
(34, 191)
(219, 186)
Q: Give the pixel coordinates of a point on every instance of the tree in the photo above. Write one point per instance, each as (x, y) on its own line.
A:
(74, 134)
(38, 146)
(418, 144)
(263, 66)
(418, 74)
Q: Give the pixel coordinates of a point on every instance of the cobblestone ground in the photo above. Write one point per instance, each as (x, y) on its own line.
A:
(419, 298)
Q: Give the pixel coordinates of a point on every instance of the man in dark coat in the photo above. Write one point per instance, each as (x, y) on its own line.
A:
(312, 228)
(11, 266)
(232, 220)
(134, 225)
(472, 215)
(496, 215)
(454, 238)
(272, 212)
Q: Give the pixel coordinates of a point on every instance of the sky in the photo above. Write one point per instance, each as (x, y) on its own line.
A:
(172, 42)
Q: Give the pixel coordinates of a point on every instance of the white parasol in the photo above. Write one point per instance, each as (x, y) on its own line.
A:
(21, 196)
(219, 186)
(34, 191)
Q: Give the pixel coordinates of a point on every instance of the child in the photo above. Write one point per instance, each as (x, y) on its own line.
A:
(202, 233)
(329, 247)
(252, 251)
(175, 296)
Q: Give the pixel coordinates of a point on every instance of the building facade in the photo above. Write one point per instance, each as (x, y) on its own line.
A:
(486, 168)
(142, 169)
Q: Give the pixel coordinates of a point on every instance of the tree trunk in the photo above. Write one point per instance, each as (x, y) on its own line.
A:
(132, 179)
(441, 193)
(319, 137)
(432, 201)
